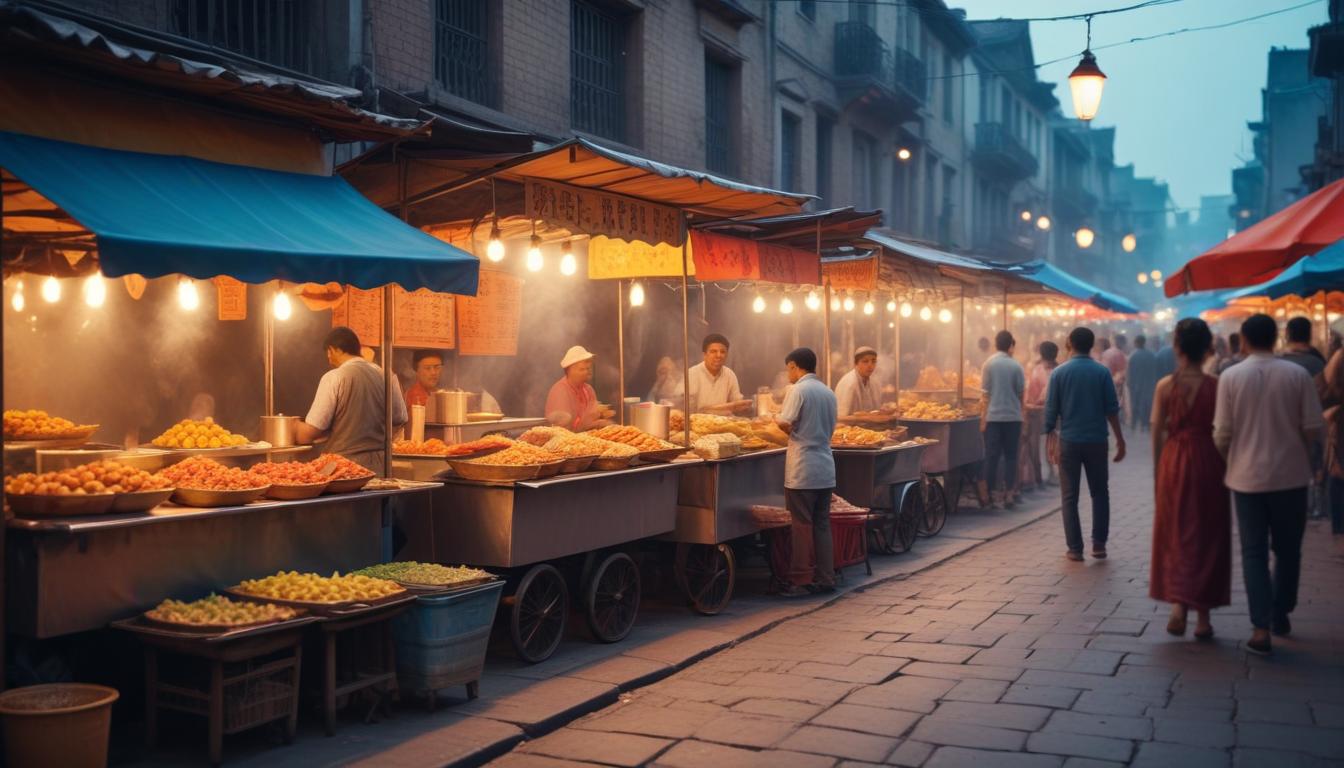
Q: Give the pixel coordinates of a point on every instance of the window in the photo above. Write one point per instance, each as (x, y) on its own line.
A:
(950, 194)
(863, 10)
(461, 49)
(824, 130)
(931, 199)
(790, 150)
(274, 31)
(900, 196)
(719, 116)
(864, 177)
(808, 8)
(949, 82)
(597, 71)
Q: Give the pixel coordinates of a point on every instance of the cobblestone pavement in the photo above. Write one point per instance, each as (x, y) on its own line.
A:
(1006, 655)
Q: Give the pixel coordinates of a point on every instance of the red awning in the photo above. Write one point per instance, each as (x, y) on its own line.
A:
(1260, 252)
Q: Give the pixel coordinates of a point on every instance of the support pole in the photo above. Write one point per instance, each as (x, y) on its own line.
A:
(826, 337)
(387, 336)
(686, 328)
(896, 352)
(1005, 306)
(961, 356)
(620, 346)
(268, 350)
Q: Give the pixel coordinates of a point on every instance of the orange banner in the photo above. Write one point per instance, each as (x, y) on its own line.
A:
(853, 274)
(788, 265)
(422, 319)
(487, 323)
(362, 311)
(718, 257)
(231, 297)
(610, 258)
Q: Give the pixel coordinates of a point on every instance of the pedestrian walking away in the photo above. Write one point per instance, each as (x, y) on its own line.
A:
(1034, 425)
(1267, 419)
(1141, 379)
(1081, 402)
(808, 416)
(1192, 527)
(1001, 419)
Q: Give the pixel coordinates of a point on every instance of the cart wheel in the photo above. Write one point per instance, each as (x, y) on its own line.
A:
(935, 508)
(905, 519)
(540, 608)
(611, 598)
(707, 573)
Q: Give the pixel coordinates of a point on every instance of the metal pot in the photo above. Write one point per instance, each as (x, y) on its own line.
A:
(279, 430)
(451, 406)
(653, 418)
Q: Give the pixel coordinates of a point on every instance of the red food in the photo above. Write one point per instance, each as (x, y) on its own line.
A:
(345, 468)
(289, 473)
(201, 473)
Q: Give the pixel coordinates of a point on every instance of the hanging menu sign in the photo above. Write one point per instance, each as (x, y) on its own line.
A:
(487, 323)
(362, 312)
(718, 257)
(591, 212)
(609, 258)
(422, 318)
(231, 298)
(779, 264)
(851, 274)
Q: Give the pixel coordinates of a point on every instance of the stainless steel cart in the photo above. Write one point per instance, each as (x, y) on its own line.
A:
(960, 443)
(888, 481)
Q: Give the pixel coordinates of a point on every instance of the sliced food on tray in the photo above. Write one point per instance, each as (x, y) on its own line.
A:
(573, 444)
(430, 574)
(313, 588)
(201, 473)
(519, 455)
(219, 611)
(40, 425)
(345, 469)
(633, 437)
(205, 433)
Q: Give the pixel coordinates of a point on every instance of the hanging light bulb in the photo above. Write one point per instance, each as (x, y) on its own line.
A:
(16, 301)
(1157, 283)
(835, 303)
(1129, 242)
(1086, 82)
(51, 290)
(1043, 223)
(187, 296)
(786, 306)
(95, 290)
(1143, 278)
(1026, 215)
(906, 309)
(282, 307)
(1156, 274)
(758, 304)
(813, 301)
(1019, 313)
(534, 259)
(636, 294)
(849, 304)
(891, 305)
(925, 314)
(494, 250)
(1084, 237)
(944, 315)
(903, 154)
(568, 264)
(869, 308)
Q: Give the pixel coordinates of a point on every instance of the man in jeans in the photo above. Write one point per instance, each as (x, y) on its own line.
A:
(1266, 421)
(1001, 419)
(808, 416)
(1080, 402)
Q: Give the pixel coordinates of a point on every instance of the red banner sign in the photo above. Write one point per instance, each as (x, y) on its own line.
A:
(721, 257)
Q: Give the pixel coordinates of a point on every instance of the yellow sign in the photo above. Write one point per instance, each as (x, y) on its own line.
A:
(590, 212)
(231, 298)
(609, 258)
(851, 274)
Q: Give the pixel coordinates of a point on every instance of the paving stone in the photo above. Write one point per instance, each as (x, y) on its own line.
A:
(1097, 703)
(911, 754)
(956, 757)
(1274, 711)
(698, 754)
(1078, 745)
(1133, 627)
(948, 654)
(853, 717)
(526, 760)
(952, 733)
(983, 691)
(625, 672)
(961, 671)
(1061, 641)
(1277, 758)
(1194, 733)
(1321, 742)
(611, 748)
(1157, 755)
(781, 708)
(1328, 715)
(1114, 726)
(745, 730)
(1189, 713)
(542, 705)
(452, 738)
(829, 741)
(647, 720)
(868, 669)
(915, 694)
(1019, 717)
(1086, 762)
(1041, 695)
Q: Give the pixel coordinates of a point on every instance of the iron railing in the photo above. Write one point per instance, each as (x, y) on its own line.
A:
(274, 31)
(998, 147)
(597, 71)
(860, 53)
(462, 49)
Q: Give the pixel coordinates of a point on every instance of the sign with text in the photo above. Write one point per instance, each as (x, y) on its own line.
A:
(231, 298)
(610, 258)
(362, 311)
(780, 264)
(422, 318)
(722, 257)
(487, 323)
(591, 212)
(851, 274)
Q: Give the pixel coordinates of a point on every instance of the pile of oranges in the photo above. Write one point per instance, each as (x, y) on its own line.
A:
(345, 468)
(40, 425)
(95, 477)
(198, 434)
(289, 473)
(200, 473)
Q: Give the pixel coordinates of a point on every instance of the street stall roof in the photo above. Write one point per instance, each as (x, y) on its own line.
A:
(1261, 251)
(35, 31)
(1056, 279)
(157, 214)
(1322, 272)
(837, 227)
(920, 265)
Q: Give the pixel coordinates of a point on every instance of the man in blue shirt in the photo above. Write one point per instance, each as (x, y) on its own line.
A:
(1080, 402)
(808, 416)
(1001, 419)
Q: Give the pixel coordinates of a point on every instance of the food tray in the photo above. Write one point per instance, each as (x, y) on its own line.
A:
(43, 505)
(204, 497)
(469, 471)
(661, 456)
(576, 464)
(550, 470)
(608, 463)
(858, 447)
(75, 434)
(475, 418)
(348, 486)
(210, 629)
(327, 609)
(141, 501)
(427, 588)
(141, 626)
(295, 492)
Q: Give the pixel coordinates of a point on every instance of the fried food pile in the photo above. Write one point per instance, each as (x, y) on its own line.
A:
(436, 447)
(219, 611)
(856, 436)
(40, 425)
(571, 444)
(633, 437)
(95, 477)
(345, 468)
(289, 473)
(200, 473)
(928, 411)
(198, 434)
(312, 588)
(520, 454)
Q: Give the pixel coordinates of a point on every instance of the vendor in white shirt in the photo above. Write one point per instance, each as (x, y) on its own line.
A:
(714, 387)
(856, 392)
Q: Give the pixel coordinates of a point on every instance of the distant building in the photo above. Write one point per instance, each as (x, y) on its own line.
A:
(1326, 60)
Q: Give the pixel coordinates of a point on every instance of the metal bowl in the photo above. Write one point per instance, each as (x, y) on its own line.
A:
(205, 497)
(42, 505)
(295, 492)
(141, 501)
(472, 471)
(349, 485)
(576, 464)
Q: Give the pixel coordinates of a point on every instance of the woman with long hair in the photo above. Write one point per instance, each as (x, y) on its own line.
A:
(1192, 527)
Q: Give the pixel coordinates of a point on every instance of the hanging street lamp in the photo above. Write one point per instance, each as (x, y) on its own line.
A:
(1086, 82)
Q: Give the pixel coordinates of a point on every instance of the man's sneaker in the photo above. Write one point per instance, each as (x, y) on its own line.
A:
(1282, 626)
(1077, 557)
(794, 590)
(1260, 647)
(1098, 552)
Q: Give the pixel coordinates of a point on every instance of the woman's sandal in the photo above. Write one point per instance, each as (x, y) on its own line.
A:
(1204, 634)
(1176, 626)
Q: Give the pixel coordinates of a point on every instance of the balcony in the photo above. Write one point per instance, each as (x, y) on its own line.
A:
(998, 152)
(1073, 202)
(891, 82)
(1010, 244)
(1326, 57)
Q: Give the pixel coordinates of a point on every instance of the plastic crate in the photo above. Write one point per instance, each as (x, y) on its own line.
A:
(441, 641)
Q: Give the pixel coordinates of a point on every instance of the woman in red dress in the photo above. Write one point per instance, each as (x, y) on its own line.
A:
(1192, 527)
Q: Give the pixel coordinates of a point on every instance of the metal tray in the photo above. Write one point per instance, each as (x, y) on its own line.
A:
(42, 505)
(140, 626)
(609, 463)
(550, 470)
(141, 501)
(211, 629)
(576, 464)
(427, 589)
(295, 492)
(202, 497)
(661, 456)
(470, 471)
(348, 486)
(341, 609)
(81, 435)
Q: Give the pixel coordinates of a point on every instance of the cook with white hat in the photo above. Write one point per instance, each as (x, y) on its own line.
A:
(856, 392)
(572, 402)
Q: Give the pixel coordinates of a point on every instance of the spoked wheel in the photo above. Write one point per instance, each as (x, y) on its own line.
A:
(611, 598)
(935, 507)
(540, 608)
(706, 573)
(904, 520)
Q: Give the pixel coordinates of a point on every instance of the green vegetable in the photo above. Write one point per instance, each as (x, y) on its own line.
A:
(411, 572)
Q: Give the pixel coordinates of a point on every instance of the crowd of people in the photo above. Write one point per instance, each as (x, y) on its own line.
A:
(1242, 427)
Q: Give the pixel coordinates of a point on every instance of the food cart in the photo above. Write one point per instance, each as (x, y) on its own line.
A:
(887, 480)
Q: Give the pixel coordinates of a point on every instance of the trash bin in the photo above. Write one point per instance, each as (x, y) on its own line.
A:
(441, 641)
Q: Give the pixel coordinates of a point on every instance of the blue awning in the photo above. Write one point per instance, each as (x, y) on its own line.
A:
(1321, 272)
(1056, 279)
(158, 215)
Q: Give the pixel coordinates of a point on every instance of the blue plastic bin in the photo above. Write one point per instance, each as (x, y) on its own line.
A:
(441, 641)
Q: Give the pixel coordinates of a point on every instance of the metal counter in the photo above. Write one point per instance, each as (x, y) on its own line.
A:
(716, 496)
(864, 477)
(462, 433)
(508, 524)
(73, 574)
(959, 442)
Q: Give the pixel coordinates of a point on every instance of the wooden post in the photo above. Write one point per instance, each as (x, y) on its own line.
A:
(620, 346)
(961, 358)
(686, 328)
(826, 338)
